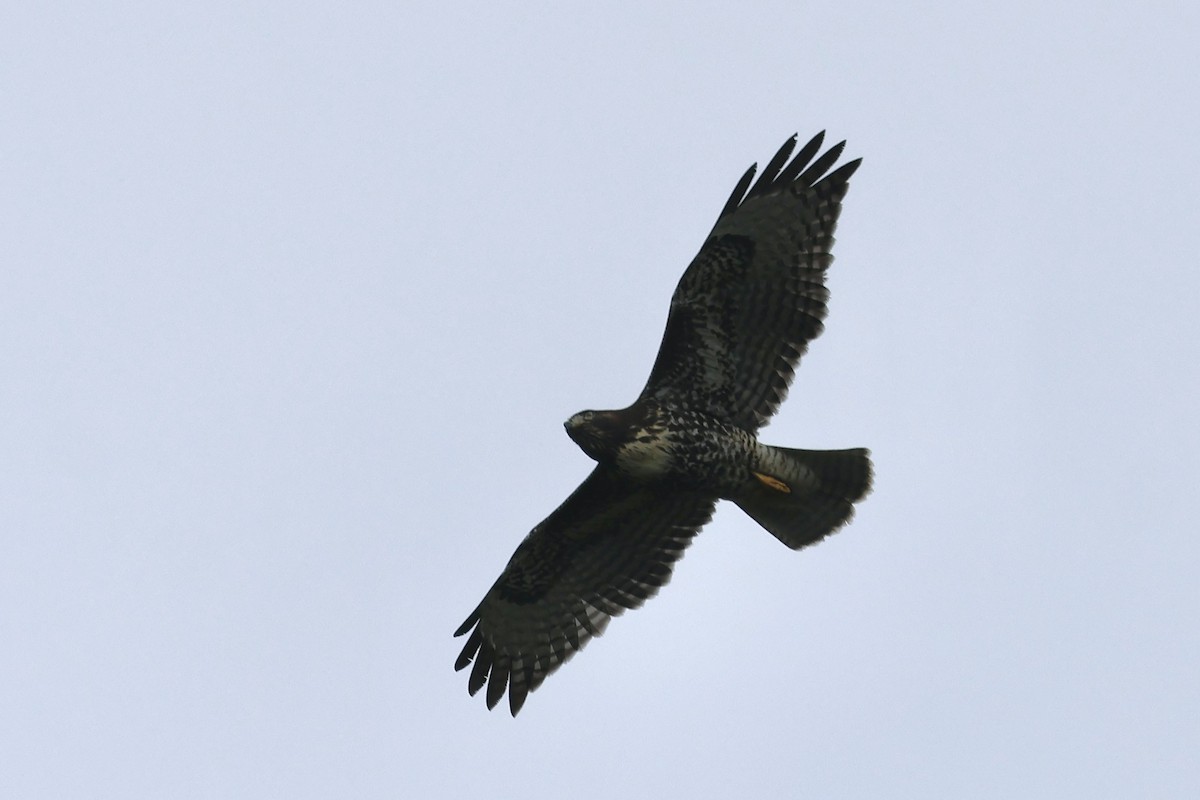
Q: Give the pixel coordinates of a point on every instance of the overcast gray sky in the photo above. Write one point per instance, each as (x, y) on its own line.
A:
(294, 300)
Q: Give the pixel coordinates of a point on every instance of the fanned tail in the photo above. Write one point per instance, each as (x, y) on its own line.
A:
(802, 496)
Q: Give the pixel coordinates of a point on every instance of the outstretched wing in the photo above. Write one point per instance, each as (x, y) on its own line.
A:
(608, 547)
(754, 296)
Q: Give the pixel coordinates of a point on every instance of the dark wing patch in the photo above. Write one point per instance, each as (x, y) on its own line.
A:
(754, 296)
(607, 548)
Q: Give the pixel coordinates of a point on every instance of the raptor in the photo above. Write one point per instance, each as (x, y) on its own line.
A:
(740, 319)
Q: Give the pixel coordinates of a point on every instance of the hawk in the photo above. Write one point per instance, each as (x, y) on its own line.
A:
(741, 317)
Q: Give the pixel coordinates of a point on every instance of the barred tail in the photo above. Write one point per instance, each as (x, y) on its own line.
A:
(802, 496)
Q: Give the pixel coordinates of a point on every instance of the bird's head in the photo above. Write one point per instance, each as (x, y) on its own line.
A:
(598, 433)
(585, 432)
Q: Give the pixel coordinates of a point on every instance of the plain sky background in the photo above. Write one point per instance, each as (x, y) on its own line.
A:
(294, 300)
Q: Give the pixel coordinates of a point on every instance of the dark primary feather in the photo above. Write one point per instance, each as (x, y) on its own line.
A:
(754, 296)
(803, 157)
(607, 548)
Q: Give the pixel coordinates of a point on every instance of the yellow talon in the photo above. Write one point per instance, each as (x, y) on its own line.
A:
(774, 483)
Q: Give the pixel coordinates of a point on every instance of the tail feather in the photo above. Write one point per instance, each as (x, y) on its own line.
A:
(802, 496)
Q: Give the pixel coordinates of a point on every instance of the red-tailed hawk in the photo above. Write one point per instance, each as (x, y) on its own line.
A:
(741, 317)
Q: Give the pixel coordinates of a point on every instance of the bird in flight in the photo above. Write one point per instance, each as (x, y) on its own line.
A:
(741, 317)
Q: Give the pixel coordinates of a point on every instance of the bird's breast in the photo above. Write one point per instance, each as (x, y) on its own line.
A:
(645, 456)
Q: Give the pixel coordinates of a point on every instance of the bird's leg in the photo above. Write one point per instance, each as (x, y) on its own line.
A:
(773, 483)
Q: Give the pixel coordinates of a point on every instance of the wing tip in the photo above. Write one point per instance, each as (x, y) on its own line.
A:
(470, 622)
(784, 170)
